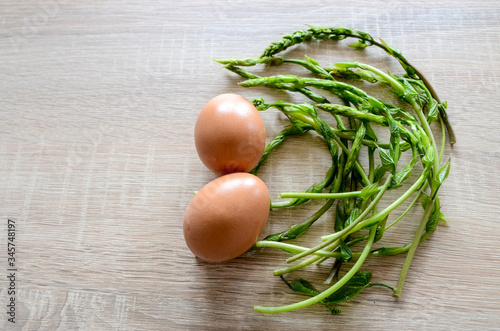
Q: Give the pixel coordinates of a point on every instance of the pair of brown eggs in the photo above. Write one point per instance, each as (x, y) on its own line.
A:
(226, 216)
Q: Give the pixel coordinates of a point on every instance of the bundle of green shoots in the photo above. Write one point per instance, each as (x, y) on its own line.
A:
(354, 190)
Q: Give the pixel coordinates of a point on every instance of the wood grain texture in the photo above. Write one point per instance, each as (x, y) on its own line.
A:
(98, 103)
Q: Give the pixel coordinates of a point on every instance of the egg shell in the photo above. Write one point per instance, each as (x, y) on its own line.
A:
(226, 217)
(230, 135)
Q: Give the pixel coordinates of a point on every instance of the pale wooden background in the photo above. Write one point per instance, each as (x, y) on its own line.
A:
(98, 102)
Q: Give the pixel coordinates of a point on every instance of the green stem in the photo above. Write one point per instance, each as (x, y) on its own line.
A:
(338, 235)
(298, 249)
(295, 83)
(311, 67)
(443, 139)
(399, 88)
(312, 189)
(428, 132)
(304, 195)
(298, 229)
(281, 204)
(357, 165)
(294, 249)
(331, 290)
(411, 252)
(353, 113)
(290, 130)
(341, 134)
(380, 284)
(308, 93)
(371, 164)
(319, 33)
(379, 216)
(409, 207)
(335, 188)
(303, 264)
(308, 120)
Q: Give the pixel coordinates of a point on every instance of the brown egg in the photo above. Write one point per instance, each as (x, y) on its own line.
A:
(226, 217)
(229, 134)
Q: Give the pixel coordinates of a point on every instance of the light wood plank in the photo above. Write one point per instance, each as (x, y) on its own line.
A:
(98, 103)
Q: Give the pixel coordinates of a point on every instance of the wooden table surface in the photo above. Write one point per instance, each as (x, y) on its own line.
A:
(98, 103)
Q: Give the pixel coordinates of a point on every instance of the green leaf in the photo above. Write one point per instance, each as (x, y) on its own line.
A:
(377, 104)
(293, 232)
(443, 172)
(361, 278)
(337, 36)
(369, 76)
(303, 109)
(344, 65)
(395, 148)
(434, 220)
(379, 233)
(368, 191)
(353, 216)
(345, 251)
(425, 201)
(442, 217)
(409, 91)
(247, 61)
(355, 149)
(315, 188)
(441, 176)
(387, 160)
(432, 223)
(422, 137)
(296, 230)
(290, 130)
(410, 71)
(301, 285)
(385, 157)
(394, 128)
(404, 173)
(353, 287)
(380, 172)
(359, 45)
(429, 156)
(400, 114)
(311, 60)
(433, 113)
(274, 237)
(391, 50)
(370, 132)
(364, 35)
(333, 310)
(288, 251)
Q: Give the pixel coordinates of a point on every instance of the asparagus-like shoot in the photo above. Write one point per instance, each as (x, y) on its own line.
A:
(364, 40)
(354, 189)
